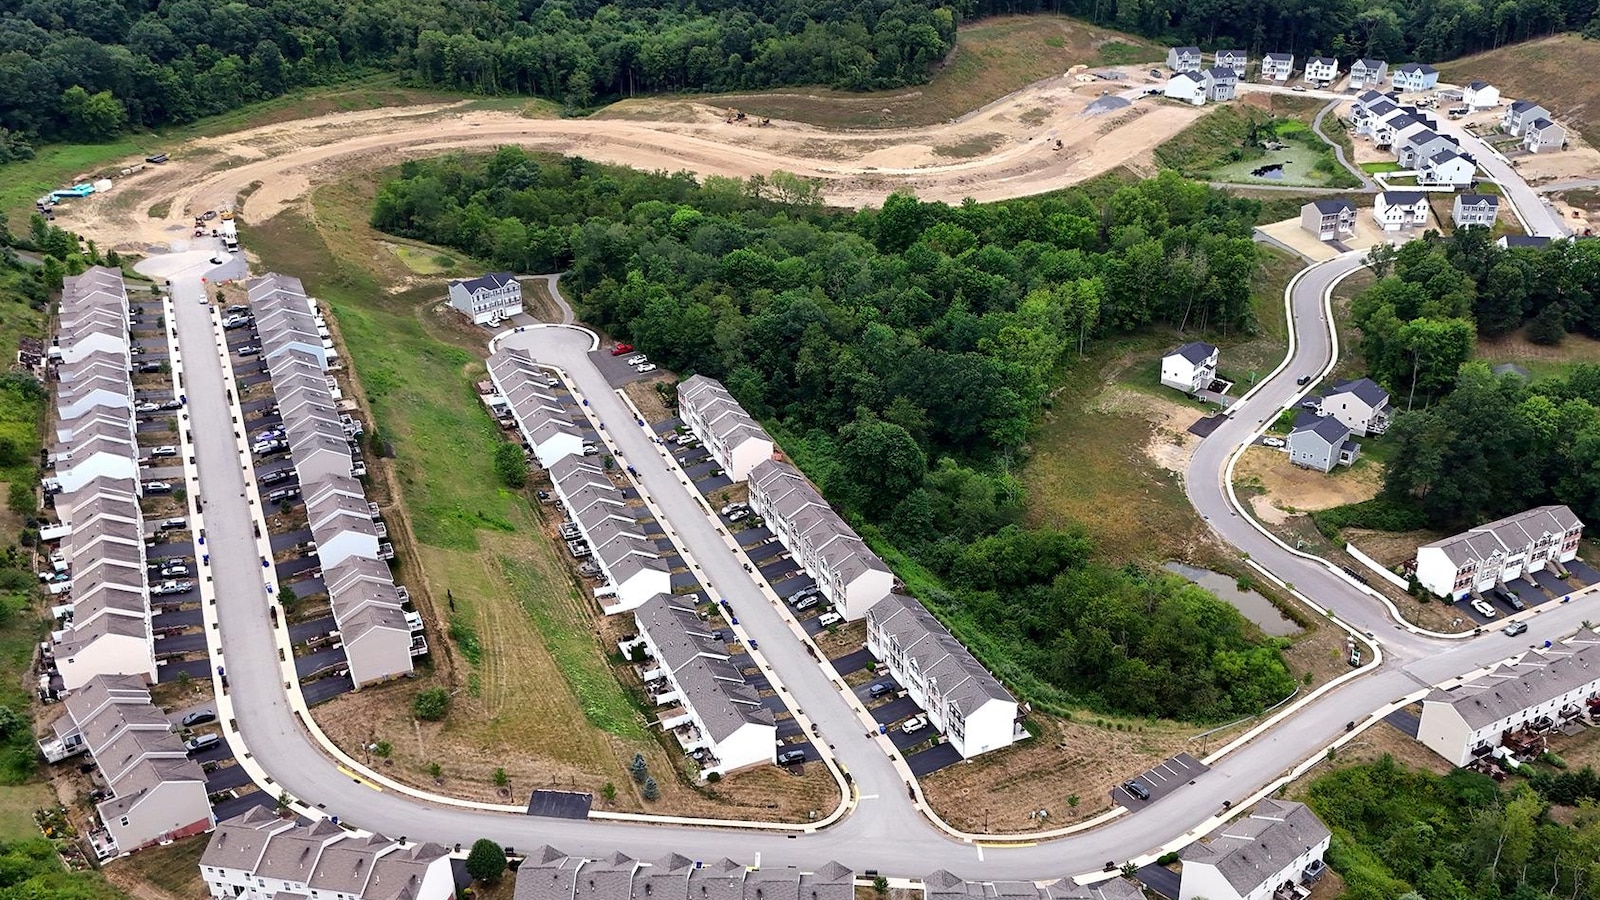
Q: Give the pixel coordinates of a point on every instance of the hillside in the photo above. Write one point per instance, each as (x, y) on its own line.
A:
(1558, 72)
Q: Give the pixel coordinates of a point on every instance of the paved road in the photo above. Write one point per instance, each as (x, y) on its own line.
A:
(1338, 149)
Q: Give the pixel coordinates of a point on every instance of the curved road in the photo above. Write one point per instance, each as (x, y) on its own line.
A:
(885, 831)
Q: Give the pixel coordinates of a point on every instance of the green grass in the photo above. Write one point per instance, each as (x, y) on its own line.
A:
(570, 640)
(1299, 160)
(17, 803)
(1218, 146)
(425, 262)
(1372, 168)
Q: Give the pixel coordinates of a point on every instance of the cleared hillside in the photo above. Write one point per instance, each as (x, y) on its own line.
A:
(1557, 72)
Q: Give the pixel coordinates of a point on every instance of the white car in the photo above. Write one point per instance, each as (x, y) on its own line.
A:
(646, 367)
(147, 408)
(913, 725)
(638, 358)
(1483, 607)
(1272, 442)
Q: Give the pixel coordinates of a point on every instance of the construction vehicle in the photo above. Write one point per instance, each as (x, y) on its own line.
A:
(734, 115)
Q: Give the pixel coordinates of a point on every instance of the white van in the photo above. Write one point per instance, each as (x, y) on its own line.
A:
(829, 618)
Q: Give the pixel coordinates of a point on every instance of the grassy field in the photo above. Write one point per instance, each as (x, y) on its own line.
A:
(1219, 147)
(17, 803)
(1543, 71)
(55, 164)
(993, 58)
(174, 870)
(426, 262)
(533, 691)
(1539, 360)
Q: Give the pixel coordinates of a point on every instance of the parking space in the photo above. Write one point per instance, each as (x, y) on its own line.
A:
(932, 759)
(1552, 584)
(318, 661)
(893, 711)
(226, 777)
(180, 643)
(1583, 572)
(300, 632)
(560, 804)
(325, 689)
(852, 662)
(289, 539)
(1161, 780)
(765, 552)
(196, 668)
(308, 587)
(903, 741)
(172, 617)
(616, 369)
(241, 805)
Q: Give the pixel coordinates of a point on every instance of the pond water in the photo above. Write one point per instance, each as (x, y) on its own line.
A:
(1252, 605)
(1273, 172)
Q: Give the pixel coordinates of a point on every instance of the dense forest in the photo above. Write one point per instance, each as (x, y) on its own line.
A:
(88, 69)
(901, 356)
(1401, 834)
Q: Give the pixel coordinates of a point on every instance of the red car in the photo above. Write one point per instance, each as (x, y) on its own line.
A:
(620, 349)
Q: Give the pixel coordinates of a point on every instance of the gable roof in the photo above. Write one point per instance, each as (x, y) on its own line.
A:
(1327, 428)
(1250, 850)
(1417, 68)
(1489, 200)
(492, 281)
(1402, 198)
(1533, 679)
(1196, 352)
(1364, 388)
(1333, 207)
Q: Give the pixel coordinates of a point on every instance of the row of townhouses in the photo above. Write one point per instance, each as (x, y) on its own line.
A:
(1490, 555)
(1276, 852)
(523, 390)
(962, 699)
(716, 715)
(155, 792)
(1320, 70)
(1437, 159)
(96, 481)
(1539, 691)
(259, 856)
(630, 560)
(379, 637)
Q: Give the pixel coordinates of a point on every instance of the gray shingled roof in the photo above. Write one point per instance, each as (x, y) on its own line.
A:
(1252, 849)
(491, 281)
(1333, 207)
(1327, 428)
(1510, 534)
(1364, 388)
(1534, 680)
(1195, 352)
(1402, 198)
(698, 666)
(962, 680)
(1488, 200)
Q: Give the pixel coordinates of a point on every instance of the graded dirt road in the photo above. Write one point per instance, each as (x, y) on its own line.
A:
(989, 154)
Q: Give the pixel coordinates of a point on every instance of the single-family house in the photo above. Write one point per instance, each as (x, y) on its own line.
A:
(1387, 132)
(1360, 404)
(1185, 59)
(1322, 444)
(1277, 66)
(1221, 83)
(1329, 220)
(1480, 95)
(1190, 368)
(736, 440)
(1474, 209)
(1533, 242)
(1542, 135)
(1416, 144)
(1519, 114)
(1365, 73)
(1541, 690)
(1188, 87)
(1237, 60)
(261, 856)
(851, 576)
(962, 699)
(1396, 210)
(1480, 558)
(1415, 77)
(1367, 118)
(1274, 851)
(488, 298)
(1447, 168)
(1322, 69)
(715, 709)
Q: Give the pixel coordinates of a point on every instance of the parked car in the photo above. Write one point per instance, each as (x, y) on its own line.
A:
(147, 408)
(209, 215)
(801, 594)
(271, 434)
(791, 757)
(199, 717)
(1272, 442)
(174, 570)
(829, 618)
(147, 368)
(204, 741)
(1308, 404)
(275, 477)
(167, 588)
(164, 450)
(233, 322)
(157, 487)
(913, 725)
(248, 350)
(221, 258)
(591, 450)
(1516, 628)
(879, 689)
(282, 494)
(646, 367)
(732, 508)
(620, 349)
(1137, 790)
(807, 603)
(172, 404)
(1510, 598)
(174, 524)
(637, 359)
(1483, 607)
(739, 515)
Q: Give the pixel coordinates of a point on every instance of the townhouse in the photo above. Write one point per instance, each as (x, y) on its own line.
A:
(1322, 70)
(716, 714)
(488, 298)
(1276, 851)
(1480, 558)
(380, 640)
(1480, 95)
(1538, 691)
(551, 874)
(1329, 220)
(1415, 77)
(1185, 59)
(1277, 66)
(1367, 73)
(962, 699)
(1447, 168)
(1519, 114)
(851, 576)
(1359, 404)
(1396, 210)
(259, 856)
(1236, 60)
(629, 560)
(736, 441)
(1542, 135)
(1388, 131)
(156, 793)
(525, 390)
(1474, 209)
(942, 885)
(1187, 87)
(1190, 368)
(1221, 83)
(1508, 241)
(1322, 444)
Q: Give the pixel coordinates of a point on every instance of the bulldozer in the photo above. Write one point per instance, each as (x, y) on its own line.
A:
(734, 115)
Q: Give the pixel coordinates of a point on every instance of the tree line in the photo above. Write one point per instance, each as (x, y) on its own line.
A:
(86, 71)
(901, 355)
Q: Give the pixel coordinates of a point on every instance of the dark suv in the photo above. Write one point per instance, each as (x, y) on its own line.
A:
(1510, 598)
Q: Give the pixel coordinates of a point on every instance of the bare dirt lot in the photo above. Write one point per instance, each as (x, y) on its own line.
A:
(1290, 490)
(277, 163)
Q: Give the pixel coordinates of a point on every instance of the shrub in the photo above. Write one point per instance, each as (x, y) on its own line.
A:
(510, 465)
(1378, 514)
(431, 705)
(501, 779)
(486, 861)
(639, 769)
(651, 790)
(608, 791)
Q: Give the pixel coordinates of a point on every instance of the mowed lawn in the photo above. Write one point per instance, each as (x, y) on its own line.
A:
(993, 57)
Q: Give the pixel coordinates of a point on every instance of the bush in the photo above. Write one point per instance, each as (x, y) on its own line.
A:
(651, 790)
(1378, 514)
(639, 769)
(431, 705)
(510, 465)
(486, 861)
